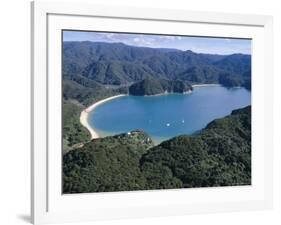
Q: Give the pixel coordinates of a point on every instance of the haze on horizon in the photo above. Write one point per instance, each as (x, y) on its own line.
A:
(209, 45)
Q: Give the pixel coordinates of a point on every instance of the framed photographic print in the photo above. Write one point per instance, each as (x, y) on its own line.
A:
(148, 112)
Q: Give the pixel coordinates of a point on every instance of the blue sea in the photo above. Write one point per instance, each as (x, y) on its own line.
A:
(166, 116)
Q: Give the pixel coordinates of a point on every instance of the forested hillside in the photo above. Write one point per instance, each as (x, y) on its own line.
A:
(119, 64)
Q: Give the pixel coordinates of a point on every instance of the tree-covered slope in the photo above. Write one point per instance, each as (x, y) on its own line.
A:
(87, 91)
(106, 164)
(73, 132)
(220, 155)
(119, 64)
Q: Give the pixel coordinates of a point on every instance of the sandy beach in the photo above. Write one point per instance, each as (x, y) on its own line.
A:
(204, 85)
(85, 113)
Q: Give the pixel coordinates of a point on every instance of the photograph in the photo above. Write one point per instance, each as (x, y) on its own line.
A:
(144, 111)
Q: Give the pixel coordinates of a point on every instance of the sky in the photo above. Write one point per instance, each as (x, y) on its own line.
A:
(209, 45)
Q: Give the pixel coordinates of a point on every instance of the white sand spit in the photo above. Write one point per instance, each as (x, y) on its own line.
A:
(204, 85)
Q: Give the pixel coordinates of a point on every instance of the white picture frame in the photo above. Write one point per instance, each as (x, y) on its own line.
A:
(48, 205)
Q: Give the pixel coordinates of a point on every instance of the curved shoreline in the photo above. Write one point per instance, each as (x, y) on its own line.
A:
(85, 114)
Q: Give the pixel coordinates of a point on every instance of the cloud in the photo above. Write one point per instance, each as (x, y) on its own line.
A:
(137, 40)
(170, 38)
(141, 41)
(109, 35)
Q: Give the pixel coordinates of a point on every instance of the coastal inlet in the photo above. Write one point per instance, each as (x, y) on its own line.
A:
(163, 116)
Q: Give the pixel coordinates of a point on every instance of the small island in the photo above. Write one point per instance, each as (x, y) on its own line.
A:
(152, 86)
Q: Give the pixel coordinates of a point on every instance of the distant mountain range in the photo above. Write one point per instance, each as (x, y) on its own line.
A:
(120, 64)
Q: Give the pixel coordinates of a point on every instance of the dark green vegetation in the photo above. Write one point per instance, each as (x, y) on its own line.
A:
(151, 86)
(73, 132)
(87, 91)
(93, 71)
(106, 164)
(120, 64)
(220, 155)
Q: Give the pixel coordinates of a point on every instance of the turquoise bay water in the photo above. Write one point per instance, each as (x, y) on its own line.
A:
(166, 116)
